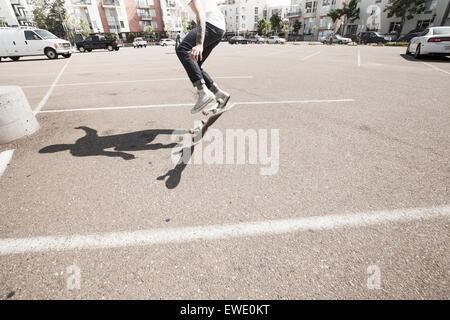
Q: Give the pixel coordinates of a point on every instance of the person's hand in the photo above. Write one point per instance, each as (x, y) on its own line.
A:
(196, 52)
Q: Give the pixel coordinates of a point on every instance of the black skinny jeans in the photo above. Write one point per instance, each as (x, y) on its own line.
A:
(196, 74)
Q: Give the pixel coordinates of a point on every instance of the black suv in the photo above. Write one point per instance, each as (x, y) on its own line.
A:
(370, 37)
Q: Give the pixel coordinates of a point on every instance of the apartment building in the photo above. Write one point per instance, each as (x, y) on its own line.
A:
(173, 11)
(242, 16)
(316, 24)
(15, 13)
(143, 14)
(374, 18)
(86, 10)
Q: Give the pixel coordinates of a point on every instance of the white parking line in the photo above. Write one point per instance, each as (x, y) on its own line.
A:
(217, 232)
(52, 87)
(130, 81)
(190, 105)
(311, 55)
(359, 57)
(5, 158)
(435, 68)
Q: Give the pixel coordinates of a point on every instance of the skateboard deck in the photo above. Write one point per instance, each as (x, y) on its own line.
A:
(213, 113)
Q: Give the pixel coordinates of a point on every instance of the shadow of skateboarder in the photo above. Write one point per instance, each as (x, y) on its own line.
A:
(94, 145)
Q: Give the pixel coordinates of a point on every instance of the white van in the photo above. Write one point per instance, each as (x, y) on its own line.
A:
(16, 43)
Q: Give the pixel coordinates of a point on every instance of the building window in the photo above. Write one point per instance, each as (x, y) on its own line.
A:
(422, 24)
(154, 25)
(394, 26)
(122, 25)
(308, 7)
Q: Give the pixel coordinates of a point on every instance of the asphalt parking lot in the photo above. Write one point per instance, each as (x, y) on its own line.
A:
(357, 208)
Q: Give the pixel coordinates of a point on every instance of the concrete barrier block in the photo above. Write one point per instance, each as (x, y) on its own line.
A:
(16, 117)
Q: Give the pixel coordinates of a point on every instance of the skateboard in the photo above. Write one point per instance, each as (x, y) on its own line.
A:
(212, 112)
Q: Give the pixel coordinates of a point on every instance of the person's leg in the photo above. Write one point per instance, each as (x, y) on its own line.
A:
(192, 68)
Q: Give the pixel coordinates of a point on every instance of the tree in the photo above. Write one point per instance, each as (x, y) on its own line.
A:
(40, 13)
(349, 12)
(55, 19)
(285, 27)
(297, 26)
(275, 22)
(50, 16)
(404, 9)
(263, 27)
(84, 28)
(149, 31)
(191, 25)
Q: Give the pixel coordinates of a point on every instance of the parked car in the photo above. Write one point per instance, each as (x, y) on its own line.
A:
(391, 36)
(433, 41)
(256, 39)
(167, 42)
(139, 43)
(97, 42)
(412, 34)
(238, 39)
(371, 37)
(16, 43)
(337, 39)
(352, 36)
(276, 39)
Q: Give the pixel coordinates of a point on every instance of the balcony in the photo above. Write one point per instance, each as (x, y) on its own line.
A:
(146, 17)
(110, 3)
(113, 27)
(143, 4)
(81, 3)
(294, 13)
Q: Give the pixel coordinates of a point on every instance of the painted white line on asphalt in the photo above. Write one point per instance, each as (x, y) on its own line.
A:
(131, 81)
(190, 105)
(435, 68)
(217, 232)
(311, 55)
(52, 87)
(359, 57)
(5, 158)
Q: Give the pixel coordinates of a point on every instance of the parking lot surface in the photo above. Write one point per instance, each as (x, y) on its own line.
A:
(362, 132)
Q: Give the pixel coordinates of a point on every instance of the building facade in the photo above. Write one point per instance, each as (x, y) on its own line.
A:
(15, 13)
(242, 16)
(317, 25)
(374, 18)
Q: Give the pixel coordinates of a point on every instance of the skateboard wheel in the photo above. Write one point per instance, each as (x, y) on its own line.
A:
(205, 112)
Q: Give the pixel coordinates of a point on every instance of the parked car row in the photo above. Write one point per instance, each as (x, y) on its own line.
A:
(256, 39)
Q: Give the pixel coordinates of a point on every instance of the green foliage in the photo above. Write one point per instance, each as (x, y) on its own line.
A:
(405, 9)
(191, 24)
(297, 26)
(275, 22)
(84, 28)
(149, 31)
(349, 11)
(263, 27)
(132, 35)
(50, 16)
